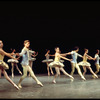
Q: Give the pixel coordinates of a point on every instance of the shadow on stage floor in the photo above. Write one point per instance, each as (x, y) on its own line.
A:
(64, 88)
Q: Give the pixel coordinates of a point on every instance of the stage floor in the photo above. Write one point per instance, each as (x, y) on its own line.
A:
(64, 88)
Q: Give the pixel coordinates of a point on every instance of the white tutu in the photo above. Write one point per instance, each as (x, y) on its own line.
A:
(13, 60)
(47, 60)
(82, 63)
(56, 64)
(4, 65)
(32, 59)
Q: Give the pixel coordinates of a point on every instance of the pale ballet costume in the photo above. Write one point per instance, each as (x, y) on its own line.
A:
(3, 67)
(97, 64)
(58, 67)
(47, 61)
(14, 62)
(84, 63)
(31, 59)
(75, 65)
(26, 68)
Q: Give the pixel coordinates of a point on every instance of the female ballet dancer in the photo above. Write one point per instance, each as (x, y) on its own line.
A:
(58, 65)
(25, 64)
(86, 64)
(32, 55)
(74, 64)
(47, 61)
(4, 66)
(97, 58)
(14, 63)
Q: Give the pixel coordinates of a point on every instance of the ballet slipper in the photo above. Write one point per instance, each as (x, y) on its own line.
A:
(83, 78)
(12, 75)
(96, 76)
(54, 81)
(16, 87)
(19, 85)
(52, 73)
(20, 73)
(39, 83)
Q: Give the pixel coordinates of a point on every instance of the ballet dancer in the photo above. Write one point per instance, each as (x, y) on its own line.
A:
(74, 64)
(25, 64)
(4, 66)
(32, 55)
(47, 61)
(86, 64)
(14, 63)
(58, 65)
(97, 58)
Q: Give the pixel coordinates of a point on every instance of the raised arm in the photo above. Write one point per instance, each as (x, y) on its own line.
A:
(35, 54)
(6, 54)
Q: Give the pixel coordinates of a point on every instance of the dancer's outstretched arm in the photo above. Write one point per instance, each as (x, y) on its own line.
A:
(6, 54)
(65, 58)
(89, 57)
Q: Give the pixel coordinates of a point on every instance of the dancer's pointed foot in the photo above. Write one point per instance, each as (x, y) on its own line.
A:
(72, 78)
(12, 75)
(39, 83)
(84, 78)
(19, 85)
(52, 73)
(96, 76)
(20, 72)
(16, 87)
(54, 81)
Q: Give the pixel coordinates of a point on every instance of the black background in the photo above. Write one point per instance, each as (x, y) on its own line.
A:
(48, 24)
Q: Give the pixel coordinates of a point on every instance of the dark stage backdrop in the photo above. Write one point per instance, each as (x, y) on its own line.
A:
(48, 24)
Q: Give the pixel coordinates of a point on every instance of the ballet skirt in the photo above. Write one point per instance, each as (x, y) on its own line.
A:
(32, 59)
(13, 60)
(56, 64)
(84, 63)
(47, 60)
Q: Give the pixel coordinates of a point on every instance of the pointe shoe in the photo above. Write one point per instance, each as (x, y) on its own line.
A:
(12, 75)
(54, 81)
(39, 83)
(52, 73)
(20, 73)
(72, 78)
(96, 76)
(83, 78)
(19, 86)
(16, 87)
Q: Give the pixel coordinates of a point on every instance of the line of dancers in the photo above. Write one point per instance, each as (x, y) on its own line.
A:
(28, 56)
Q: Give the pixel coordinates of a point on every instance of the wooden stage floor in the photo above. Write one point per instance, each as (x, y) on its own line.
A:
(64, 88)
